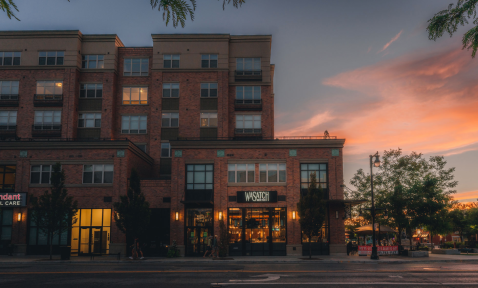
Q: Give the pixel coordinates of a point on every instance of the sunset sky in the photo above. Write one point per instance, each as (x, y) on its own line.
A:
(363, 70)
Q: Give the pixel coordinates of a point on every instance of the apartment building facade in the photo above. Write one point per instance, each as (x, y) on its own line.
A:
(194, 114)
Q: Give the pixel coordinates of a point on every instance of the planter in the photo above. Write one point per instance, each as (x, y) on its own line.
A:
(415, 254)
(446, 251)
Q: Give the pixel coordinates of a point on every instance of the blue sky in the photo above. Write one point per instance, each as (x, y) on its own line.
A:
(334, 69)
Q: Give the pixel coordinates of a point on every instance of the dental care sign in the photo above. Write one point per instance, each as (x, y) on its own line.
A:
(256, 196)
(13, 199)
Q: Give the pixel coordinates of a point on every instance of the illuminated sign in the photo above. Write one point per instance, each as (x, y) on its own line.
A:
(13, 199)
(256, 196)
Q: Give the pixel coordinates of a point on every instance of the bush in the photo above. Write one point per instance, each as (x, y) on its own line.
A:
(451, 244)
(173, 250)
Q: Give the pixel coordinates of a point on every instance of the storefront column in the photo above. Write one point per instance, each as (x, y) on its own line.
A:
(337, 230)
(19, 231)
(294, 234)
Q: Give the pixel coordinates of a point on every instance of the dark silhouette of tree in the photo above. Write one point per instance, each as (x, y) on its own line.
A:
(449, 19)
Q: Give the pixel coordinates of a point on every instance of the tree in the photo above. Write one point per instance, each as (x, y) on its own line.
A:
(176, 11)
(223, 239)
(133, 209)
(54, 210)
(459, 222)
(449, 19)
(312, 210)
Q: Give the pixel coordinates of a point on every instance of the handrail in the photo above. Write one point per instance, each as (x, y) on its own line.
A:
(46, 127)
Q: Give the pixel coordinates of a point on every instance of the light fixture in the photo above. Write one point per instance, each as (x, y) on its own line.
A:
(117, 216)
(220, 215)
(376, 163)
(336, 214)
(293, 214)
(177, 216)
(19, 217)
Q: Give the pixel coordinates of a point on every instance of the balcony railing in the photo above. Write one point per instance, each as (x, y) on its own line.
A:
(259, 137)
(248, 105)
(8, 129)
(8, 100)
(248, 101)
(248, 131)
(248, 75)
(46, 130)
(48, 100)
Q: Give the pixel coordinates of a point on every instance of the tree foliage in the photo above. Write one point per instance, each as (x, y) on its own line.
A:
(8, 6)
(312, 210)
(54, 210)
(133, 209)
(450, 19)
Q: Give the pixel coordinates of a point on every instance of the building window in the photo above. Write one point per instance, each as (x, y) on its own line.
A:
(142, 147)
(92, 61)
(6, 222)
(320, 171)
(10, 58)
(241, 173)
(133, 124)
(209, 61)
(199, 177)
(48, 88)
(272, 173)
(248, 94)
(248, 64)
(91, 90)
(136, 66)
(89, 120)
(51, 58)
(40, 174)
(248, 123)
(170, 120)
(8, 120)
(47, 120)
(171, 90)
(208, 89)
(135, 96)
(37, 236)
(98, 174)
(165, 150)
(171, 61)
(7, 177)
(9, 90)
(208, 119)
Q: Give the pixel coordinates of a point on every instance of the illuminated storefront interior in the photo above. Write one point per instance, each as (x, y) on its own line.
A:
(90, 233)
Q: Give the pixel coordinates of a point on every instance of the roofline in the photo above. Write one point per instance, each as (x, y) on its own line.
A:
(257, 144)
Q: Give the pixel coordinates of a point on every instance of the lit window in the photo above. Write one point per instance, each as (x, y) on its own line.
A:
(136, 66)
(51, 58)
(208, 119)
(49, 89)
(135, 96)
(241, 173)
(92, 61)
(98, 174)
(209, 61)
(171, 61)
(272, 173)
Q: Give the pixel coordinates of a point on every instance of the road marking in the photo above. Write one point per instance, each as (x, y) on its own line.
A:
(270, 277)
(350, 283)
(395, 276)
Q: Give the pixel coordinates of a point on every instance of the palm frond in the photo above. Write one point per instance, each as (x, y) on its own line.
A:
(235, 3)
(8, 6)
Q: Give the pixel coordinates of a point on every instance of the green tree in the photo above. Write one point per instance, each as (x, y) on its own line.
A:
(312, 210)
(459, 222)
(473, 221)
(54, 210)
(223, 239)
(176, 11)
(449, 19)
(133, 209)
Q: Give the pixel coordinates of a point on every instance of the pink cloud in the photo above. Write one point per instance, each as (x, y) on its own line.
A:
(391, 41)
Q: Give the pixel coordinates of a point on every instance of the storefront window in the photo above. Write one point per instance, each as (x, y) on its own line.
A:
(278, 225)
(199, 217)
(91, 232)
(37, 236)
(235, 225)
(6, 221)
(323, 236)
(257, 225)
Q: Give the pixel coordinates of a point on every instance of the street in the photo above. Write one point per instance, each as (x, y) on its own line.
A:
(239, 275)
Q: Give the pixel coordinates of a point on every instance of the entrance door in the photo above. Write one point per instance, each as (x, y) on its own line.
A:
(91, 240)
(197, 240)
(84, 241)
(198, 229)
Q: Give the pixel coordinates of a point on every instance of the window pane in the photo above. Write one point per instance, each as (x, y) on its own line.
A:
(250, 176)
(272, 176)
(241, 176)
(108, 176)
(282, 176)
(190, 177)
(231, 176)
(208, 177)
(98, 176)
(313, 166)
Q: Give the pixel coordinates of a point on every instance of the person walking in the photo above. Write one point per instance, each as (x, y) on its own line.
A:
(134, 254)
(208, 247)
(214, 247)
(138, 250)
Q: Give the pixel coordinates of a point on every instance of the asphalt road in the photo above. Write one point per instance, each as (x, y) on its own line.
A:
(239, 275)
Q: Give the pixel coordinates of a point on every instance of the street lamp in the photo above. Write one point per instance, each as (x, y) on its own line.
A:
(375, 163)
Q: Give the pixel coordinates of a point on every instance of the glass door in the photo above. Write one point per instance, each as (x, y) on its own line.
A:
(198, 229)
(91, 232)
(84, 241)
(95, 243)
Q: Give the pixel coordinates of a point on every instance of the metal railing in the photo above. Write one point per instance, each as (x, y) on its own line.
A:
(48, 97)
(259, 137)
(46, 127)
(8, 96)
(248, 101)
(10, 128)
(248, 131)
(248, 72)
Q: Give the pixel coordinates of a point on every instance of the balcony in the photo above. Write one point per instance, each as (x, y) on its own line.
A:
(248, 131)
(248, 105)
(248, 75)
(48, 100)
(199, 197)
(9, 100)
(46, 130)
(8, 131)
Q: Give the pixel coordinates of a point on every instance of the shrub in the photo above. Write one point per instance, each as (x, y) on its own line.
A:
(173, 250)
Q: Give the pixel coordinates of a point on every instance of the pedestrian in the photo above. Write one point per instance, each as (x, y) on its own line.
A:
(349, 247)
(208, 247)
(134, 255)
(214, 247)
(138, 250)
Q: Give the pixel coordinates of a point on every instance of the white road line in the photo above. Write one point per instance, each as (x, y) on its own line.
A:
(351, 283)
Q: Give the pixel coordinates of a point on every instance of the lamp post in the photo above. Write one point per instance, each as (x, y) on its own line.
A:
(375, 163)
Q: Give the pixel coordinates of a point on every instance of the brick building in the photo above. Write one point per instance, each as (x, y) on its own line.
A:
(194, 114)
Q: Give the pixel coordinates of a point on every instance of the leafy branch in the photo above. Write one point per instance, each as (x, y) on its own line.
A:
(7, 6)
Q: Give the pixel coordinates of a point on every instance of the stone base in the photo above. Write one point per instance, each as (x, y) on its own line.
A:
(182, 250)
(116, 248)
(294, 250)
(20, 250)
(475, 250)
(418, 254)
(446, 251)
(338, 249)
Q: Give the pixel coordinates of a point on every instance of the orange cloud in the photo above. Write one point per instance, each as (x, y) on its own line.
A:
(391, 41)
(470, 196)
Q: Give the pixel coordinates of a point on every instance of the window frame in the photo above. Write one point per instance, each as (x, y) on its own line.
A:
(86, 89)
(9, 117)
(243, 60)
(3, 175)
(170, 89)
(140, 92)
(171, 56)
(53, 125)
(9, 96)
(14, 53)
(86, 59)
(40, 178)
(93, 173)
(145, 117)
(208, 114)
(56, 58)
(141, 62)
(170, 119)
(323, 185)
(277, 170)
(246, 130)
(208, 60)
(205, 183)
(253, 100)
(236, 171)
(55, 85)
(95, 119)
(208, 89)
(168, 148)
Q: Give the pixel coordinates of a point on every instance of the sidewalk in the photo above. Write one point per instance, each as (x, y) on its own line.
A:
(434, 258)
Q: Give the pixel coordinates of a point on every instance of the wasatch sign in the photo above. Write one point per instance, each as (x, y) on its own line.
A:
(256, 196)
(13, 199)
